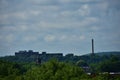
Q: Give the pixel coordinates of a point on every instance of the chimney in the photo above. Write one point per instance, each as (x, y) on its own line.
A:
(92, 46)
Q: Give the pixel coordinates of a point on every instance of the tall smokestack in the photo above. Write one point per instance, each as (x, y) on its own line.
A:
(92, 46)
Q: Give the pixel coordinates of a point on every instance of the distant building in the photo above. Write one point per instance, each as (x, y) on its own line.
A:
(26, 53)
(69, 55)
(43, 57)
(51, 54)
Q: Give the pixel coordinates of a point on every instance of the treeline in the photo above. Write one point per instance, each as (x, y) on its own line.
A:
(51, 70)
(89, 59)
(66, 68)
(96, 63)
(98, 57)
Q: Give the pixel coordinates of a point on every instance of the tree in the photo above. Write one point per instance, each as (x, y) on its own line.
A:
(9, 71)
(54, 70)
(111, 65)
(81, 63)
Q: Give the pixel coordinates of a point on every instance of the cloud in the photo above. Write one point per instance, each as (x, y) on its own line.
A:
(14, 28)
(13, 17)
(84, 10)
(64, 38)
(102, 7)
(64, 22)
(82, 1)
(35, 12)
(82, 37)
(49, 38)
(3, 4)
(30, 39)
(96, 28)
(68, 23)
(10, 38)
(41, 1)
(7, 39)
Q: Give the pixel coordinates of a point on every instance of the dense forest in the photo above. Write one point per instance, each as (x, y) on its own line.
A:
(100, 67)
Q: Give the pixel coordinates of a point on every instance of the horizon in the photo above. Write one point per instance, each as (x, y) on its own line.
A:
(65, 26)
(64, 54)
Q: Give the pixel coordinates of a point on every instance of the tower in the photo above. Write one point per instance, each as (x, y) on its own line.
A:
(92, 46)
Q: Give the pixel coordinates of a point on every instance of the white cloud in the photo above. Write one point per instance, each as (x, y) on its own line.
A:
(68, 1)
(91, 19)
(10, 38)
(66, 13)
(12, 17)
(82, 37)
(50, 8)
(70, 38)
(20, 15)
(30, 38)
(95, 28)
(23, 27)
(68, 23)
(49, 38)
(38, 1)
(77, 37)
(65, 1)
(4, 19)
(35, 12)
(62, 37)
(7, 39)
(84, 10)
(101, 8)
(15, 28)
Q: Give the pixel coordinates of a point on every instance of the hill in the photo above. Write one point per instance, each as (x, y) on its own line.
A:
(109, 53)
(88, 58)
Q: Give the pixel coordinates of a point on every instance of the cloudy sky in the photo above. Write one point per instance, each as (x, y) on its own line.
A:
(65, 26)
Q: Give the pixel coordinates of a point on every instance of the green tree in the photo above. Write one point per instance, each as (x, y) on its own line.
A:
(81, 63)
(54, 70)
(9, 71)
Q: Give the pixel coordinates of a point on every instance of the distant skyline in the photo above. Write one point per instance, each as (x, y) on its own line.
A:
(65, 26)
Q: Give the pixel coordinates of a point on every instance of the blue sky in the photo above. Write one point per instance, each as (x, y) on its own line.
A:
(65, 26)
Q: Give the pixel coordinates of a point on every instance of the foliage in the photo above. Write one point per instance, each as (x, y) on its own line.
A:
(112, 65)
(81, 63)
(10, 71)
(54, 70)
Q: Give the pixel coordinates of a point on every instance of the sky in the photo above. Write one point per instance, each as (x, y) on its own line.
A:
(65, 26)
